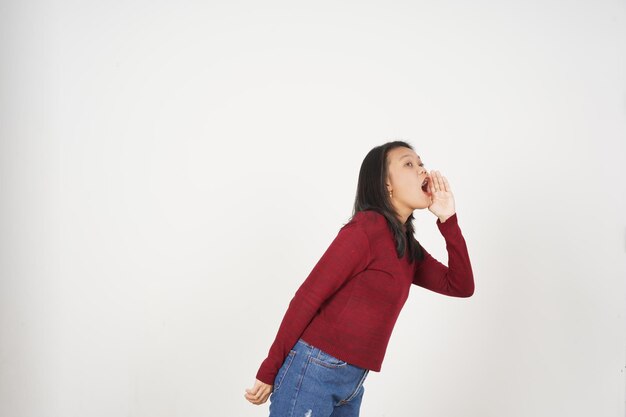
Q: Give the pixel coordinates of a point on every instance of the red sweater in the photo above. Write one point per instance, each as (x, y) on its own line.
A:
(349, 303)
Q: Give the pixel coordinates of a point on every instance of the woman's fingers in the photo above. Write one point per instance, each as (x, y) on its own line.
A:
(259, 393)
(254, 399)
(261, 397)
(434, 181)
(439, 182)
(252, 393)
(255, 393)
(446, 185)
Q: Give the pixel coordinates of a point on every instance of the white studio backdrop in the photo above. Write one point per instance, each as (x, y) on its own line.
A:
(171, 172)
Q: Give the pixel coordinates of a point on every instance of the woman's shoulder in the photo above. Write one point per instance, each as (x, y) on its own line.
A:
(366, 219)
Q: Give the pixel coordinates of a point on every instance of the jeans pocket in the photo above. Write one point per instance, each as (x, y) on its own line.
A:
(280, 376)
(327, 360)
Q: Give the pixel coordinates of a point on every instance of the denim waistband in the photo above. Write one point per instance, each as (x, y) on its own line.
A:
(305, 343)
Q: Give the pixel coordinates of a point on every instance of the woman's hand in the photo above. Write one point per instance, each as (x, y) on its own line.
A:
(259, 393)
(442, 200)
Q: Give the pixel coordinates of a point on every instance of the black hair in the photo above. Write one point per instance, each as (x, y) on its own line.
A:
(372, 194)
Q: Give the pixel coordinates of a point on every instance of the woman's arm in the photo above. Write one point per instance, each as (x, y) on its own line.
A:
(455, 280)
(347, 255)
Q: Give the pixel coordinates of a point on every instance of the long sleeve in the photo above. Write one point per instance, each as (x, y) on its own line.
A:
(455, 280)
(347, 255)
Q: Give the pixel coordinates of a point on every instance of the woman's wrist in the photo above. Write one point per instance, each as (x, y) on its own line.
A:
(442, 219)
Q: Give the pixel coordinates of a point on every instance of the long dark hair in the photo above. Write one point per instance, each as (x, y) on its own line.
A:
(371, 194)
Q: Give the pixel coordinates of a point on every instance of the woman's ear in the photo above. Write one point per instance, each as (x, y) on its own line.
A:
(388, 184)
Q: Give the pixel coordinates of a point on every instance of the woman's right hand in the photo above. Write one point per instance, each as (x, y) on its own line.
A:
(442, 200)
(259, 393)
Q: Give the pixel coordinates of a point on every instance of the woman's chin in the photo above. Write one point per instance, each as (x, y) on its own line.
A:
(421, 205)
(421, 201)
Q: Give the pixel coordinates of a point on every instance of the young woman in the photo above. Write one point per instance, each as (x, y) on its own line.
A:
(338, 324)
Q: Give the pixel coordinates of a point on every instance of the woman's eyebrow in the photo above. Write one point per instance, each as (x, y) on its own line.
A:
(409, 155)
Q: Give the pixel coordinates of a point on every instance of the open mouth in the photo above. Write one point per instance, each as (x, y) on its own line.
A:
(425, 185)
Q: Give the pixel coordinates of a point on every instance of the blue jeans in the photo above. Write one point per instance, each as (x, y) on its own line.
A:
(313, 383)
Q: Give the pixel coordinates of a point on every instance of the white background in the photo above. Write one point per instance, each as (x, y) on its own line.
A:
(171, 172)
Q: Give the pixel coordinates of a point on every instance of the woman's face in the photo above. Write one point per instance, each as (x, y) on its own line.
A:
(406, 173)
